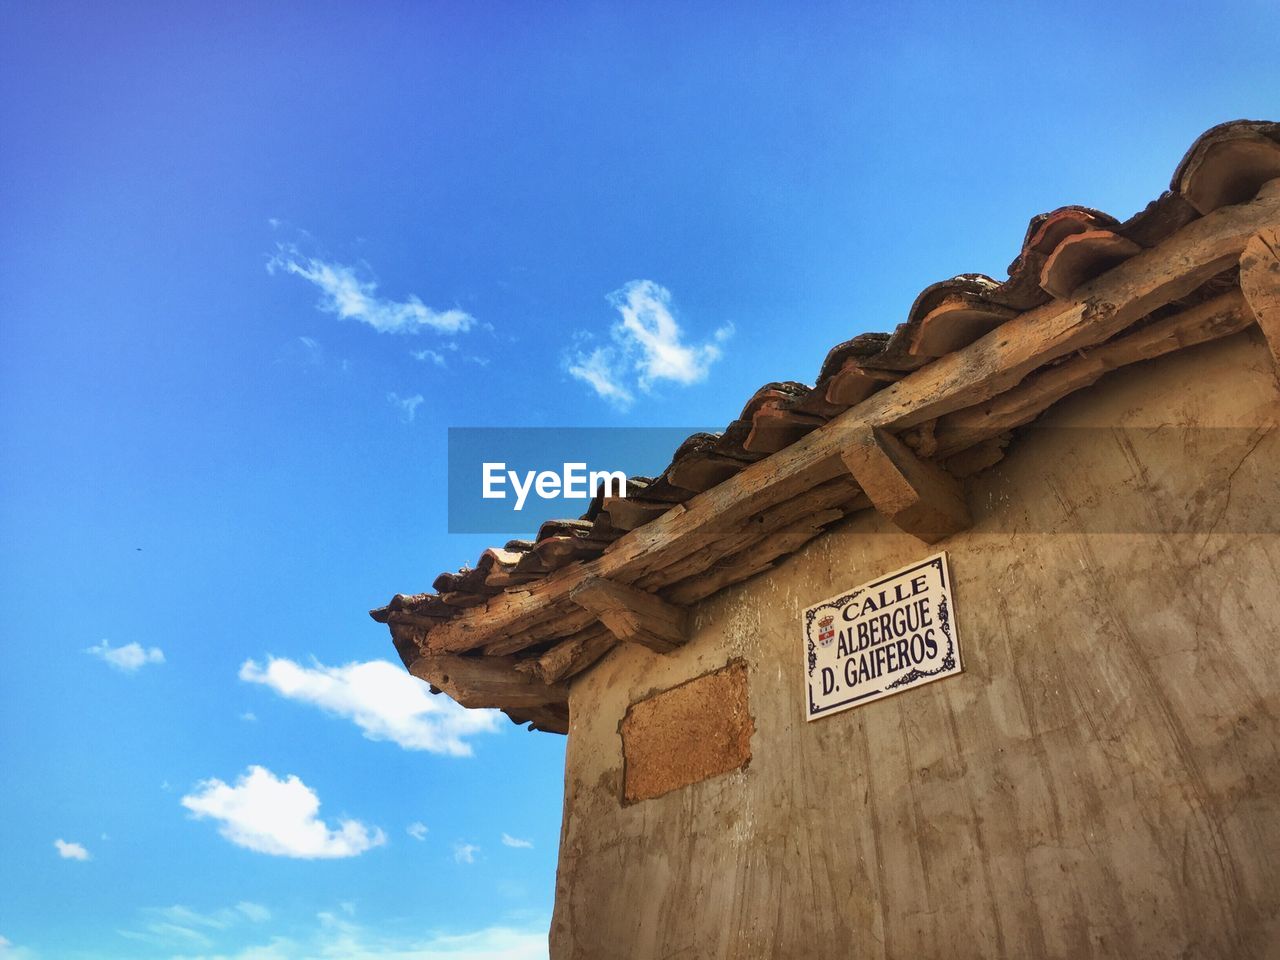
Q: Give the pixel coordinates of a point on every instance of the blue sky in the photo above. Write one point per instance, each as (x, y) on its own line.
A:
(240, 241)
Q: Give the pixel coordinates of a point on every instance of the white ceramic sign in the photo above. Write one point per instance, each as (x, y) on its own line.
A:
(884, 637)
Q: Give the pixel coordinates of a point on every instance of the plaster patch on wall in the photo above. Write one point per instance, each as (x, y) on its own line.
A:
(689, 733)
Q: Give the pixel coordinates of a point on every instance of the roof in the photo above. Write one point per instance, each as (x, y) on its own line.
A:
(1087, 293)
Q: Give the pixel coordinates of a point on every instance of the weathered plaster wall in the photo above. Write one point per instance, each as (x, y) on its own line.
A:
(1102, 780)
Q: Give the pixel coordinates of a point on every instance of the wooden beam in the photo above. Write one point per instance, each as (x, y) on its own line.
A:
(632, 615)
(549, 719)
(481, 681)
(756, 558)
(1260, 281)
(917, 495)
(1211, 320)
(1097, 311)
(571, 655)
(841, 495)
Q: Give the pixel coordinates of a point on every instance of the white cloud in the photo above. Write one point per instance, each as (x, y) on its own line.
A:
(647, 320)
(71, 851)
(510, 841)
(417, 830)
(465, 852)
(381, 698)
(428, 355)
(648, 346)
(347, 296)
(269, 815)
(249, 717)
(408, 406)
(129, 658)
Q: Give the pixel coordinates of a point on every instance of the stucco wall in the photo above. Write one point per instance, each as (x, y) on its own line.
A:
(1102, 780)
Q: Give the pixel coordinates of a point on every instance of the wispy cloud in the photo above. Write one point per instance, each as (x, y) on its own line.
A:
(428, 356)
(602, 371)
(254, 911)
(182, 927)
(349, 296)
(465, 852)
(336, 935)
(647, 346)
(417, 830)
(303, 352)
(71, 851)
(440, 358)
(280, 817)
(408, 406)
(509, 841)
(11, 951)
(129, 658)
(379, 697)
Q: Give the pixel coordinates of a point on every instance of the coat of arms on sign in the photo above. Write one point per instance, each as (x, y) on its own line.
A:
(826, 631)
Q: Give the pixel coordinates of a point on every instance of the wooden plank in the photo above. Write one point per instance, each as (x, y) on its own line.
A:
(1211, 320)
(571, 656)
(839, 493)
(917, 495)
(553, 718)
(548, 624)
(486, 682)
(995, 363)
(1260, 281)
(747, 563)
(632, 615)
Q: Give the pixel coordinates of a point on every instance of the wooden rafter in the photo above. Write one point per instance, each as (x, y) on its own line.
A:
(632, 615)
(1260, 282)
(487, 682)
(917, 495)
(1216, 318)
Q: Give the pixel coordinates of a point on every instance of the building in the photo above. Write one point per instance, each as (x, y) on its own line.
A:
(1092, 444)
